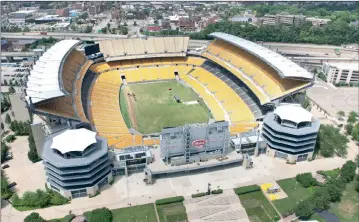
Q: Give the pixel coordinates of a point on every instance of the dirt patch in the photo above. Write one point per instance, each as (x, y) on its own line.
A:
(130, 100)
(348, 207)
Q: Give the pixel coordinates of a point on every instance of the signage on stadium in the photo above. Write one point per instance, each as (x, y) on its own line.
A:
(199, 143)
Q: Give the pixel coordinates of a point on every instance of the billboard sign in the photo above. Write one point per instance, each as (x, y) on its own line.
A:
(199, 143)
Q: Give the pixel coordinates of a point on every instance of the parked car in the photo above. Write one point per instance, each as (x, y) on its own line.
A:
(12, 184)
(5, 166)
(8, 156)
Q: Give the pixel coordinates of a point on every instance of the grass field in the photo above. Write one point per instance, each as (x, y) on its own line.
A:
(155, 108)
(347, 210)
(258, 207)
(296, 193)
(140, 213)
(174, 212)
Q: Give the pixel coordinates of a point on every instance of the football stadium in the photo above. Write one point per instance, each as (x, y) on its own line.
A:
(151, 104)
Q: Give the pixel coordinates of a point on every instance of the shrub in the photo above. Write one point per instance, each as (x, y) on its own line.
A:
(306, 179)
(10, 138)
(34, 217)
(57, 199)
(247, 189)
(321, 199)
(97, 193)
(218, 191)
(169, 200)
(7, 118)
(68, 218)
(199, 195)
(102, 214)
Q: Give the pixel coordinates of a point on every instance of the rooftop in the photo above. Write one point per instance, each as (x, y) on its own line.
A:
(294, 113)
(73, 140)
(345, 65)
(43, 82)
(285, 67)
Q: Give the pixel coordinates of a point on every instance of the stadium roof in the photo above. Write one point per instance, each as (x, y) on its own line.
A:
(294, 113)
(282, 65)
(73, 140)
(44, 80)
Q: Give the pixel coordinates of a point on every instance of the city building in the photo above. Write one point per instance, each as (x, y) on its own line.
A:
(5, 45)
(18, 46)
(20, 17)
(153, 28)
(318, 21)
(291, 132)
(347, 73)
(186, 25)
(283, 18)
(76, 162)
(65, 12)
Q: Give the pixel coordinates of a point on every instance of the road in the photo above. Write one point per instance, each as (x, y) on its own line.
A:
(103, 23)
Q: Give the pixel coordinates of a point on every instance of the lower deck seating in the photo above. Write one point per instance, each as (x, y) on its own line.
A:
(235, 107)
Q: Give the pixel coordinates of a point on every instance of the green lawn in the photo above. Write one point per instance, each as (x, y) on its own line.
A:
(155, 107)
(140, 213)
(348, 208)
(174, 212)
(331, 173)
(296, 193)
(258, 207)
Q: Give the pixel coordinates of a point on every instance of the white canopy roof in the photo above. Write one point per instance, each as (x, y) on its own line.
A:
(294, 113)
(73, 140)
(285, 67)
(43, 81)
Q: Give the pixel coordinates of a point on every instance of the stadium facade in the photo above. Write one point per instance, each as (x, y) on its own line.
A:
(239, 81)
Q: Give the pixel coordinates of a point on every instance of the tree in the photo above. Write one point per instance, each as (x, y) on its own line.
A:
(134, 23)
(352, 117)
(11, 90)
(84, 15)
(32, 154)
(335, 188)
(108, 26)
(7, 118)
(330, 141)
(347, 172)
(355, 132)
(125, 24)
(104, 30)
(156, 21)
(5, 82)
(306, 179)
(26, 29)
(304, 209)
(88, 29)
(357, 160)
(2, 126)
(349, 128)
(341, 114)
(101, 214)
(321, 199)
(4, 150)
(34, 217)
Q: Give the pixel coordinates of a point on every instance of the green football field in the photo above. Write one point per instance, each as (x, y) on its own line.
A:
(151, 106)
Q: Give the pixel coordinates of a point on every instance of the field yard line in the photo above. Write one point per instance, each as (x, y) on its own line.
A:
(158, 218)
(131, 110)
(226, 116)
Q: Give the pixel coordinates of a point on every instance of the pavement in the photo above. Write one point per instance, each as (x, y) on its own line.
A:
(333, 99)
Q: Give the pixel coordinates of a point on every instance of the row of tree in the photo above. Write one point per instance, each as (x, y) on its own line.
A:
(352, 126)
(38, 199)
(335, 33)
(330, 191)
